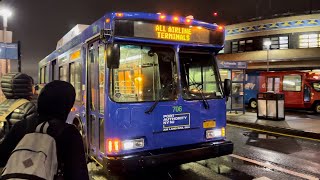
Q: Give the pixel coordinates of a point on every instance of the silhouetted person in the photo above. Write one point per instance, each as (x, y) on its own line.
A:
(54, 104)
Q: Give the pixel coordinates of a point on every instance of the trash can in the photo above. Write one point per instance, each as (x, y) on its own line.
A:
(270, 106)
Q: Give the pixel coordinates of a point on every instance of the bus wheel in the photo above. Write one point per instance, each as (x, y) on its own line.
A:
(317, 108)
(253, 104)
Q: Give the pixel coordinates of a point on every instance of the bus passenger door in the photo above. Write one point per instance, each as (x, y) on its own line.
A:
(306, 94)
(273, 84)
(95, 105)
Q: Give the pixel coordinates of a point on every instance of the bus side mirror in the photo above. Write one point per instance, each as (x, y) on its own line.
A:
(227, 87)
(113, 56)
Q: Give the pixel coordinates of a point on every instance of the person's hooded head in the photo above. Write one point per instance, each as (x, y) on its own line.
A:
(56, 100)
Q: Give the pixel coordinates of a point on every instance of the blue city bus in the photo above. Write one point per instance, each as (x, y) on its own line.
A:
(148, 89)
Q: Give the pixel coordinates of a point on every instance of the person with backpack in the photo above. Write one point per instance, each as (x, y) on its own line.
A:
(17, 88)
(54, 104)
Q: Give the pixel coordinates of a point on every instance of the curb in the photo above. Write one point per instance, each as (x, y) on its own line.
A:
(275, 129)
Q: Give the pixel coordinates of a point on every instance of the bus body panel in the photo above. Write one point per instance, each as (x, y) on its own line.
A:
(131, 121)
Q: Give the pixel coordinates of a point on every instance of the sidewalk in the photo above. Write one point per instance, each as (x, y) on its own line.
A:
(296, 123)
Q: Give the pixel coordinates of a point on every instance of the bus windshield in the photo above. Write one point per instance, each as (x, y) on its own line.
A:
(199, 77)
(316, 86)
(143, 73)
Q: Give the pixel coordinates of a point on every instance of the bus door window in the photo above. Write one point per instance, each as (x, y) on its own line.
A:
(145, 74)
(273, 84)
(101, 79)
(306, 93)
(92, 93)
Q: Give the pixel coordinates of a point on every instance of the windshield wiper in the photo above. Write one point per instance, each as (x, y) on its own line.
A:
(204, 100)
(162, 93)
(197, 85)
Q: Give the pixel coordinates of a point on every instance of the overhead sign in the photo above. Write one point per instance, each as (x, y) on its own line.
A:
(171, 33)
(232, 65)
(9, 51)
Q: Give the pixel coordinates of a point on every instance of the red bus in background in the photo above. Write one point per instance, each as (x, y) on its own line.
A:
(301, 89)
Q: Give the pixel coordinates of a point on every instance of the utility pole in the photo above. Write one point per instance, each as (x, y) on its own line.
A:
(19, 56)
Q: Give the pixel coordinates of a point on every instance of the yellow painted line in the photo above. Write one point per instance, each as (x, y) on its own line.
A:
(96, 161)
(274, 167)
(271, 132)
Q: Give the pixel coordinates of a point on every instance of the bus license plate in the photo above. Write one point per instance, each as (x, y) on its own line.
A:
(209, 124)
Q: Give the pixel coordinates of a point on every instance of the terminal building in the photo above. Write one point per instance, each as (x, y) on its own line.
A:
(287, 43)
(295, 42)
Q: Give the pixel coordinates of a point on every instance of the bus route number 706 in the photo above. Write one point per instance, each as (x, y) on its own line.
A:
(177, 109)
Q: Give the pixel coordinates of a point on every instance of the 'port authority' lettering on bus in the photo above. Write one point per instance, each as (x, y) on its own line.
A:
(176, 121)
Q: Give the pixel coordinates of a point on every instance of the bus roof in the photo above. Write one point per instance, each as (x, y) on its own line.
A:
(86, 32)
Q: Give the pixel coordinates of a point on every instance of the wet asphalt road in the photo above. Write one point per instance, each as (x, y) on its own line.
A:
(256, 156)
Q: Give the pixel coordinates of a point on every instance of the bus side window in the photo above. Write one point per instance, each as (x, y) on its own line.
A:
(53, 68)
(42, 74)
(63, 73)
(75, 78)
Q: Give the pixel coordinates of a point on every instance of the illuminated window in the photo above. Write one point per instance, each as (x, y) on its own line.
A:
(273, 84)
(280, 42)
(309, 41)
(101, 73)
(63, 73)
(292, 83)
(198, 76)
(75, 78)
(43, 74)
(242, 46)
(145, 74)
(316, 86)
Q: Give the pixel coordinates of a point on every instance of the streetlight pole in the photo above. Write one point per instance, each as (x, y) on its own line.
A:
(267, 43)
(5, 13)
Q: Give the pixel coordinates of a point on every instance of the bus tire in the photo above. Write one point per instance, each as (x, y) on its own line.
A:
(253, 103)
(317, 108)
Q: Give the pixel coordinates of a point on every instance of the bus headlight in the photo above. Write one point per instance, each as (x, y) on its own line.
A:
(214, 133)
(133, 144)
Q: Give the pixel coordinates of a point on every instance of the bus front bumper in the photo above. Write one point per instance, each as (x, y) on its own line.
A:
(168, 157)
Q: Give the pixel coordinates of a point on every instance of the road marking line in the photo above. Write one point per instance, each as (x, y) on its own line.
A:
(277, 168)
(271, 132)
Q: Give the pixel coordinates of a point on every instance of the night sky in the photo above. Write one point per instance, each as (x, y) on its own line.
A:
(39, 24)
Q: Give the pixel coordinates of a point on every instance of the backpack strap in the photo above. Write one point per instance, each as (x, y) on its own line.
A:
(43, 127)
(12, 107)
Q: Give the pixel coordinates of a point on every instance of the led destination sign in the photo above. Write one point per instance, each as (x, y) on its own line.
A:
(168, 32)
(171, 33)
